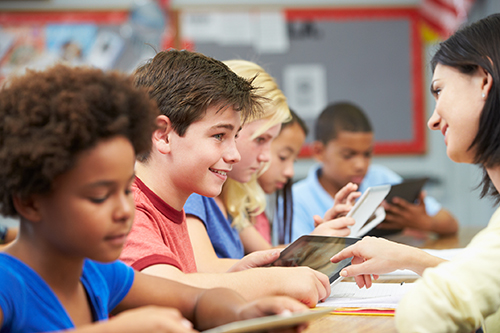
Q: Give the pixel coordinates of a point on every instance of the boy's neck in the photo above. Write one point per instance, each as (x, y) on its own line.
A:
(158, 180)
(330, 188)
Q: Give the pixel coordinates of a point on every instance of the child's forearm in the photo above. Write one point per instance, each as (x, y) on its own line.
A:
(443, 223)
(217, 307)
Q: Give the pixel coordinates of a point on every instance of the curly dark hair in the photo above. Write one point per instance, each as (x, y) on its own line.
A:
(184, 84)
(48, 117)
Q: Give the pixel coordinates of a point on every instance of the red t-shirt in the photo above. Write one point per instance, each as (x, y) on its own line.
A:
(159, 234)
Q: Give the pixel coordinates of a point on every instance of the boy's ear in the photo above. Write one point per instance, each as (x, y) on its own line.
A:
(28, 208)
(318, 149)
(161, 136)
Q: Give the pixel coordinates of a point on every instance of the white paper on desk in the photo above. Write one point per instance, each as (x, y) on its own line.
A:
(447, 254)
(380, 295)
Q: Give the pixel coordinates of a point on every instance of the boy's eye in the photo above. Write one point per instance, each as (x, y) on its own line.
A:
(347, 156)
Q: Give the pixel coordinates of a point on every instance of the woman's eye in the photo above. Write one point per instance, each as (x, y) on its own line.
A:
(436, 91)
(219, 136)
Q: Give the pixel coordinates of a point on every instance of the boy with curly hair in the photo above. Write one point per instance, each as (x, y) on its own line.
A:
(202, 104)
(68, 142)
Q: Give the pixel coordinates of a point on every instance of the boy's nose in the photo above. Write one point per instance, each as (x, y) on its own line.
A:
(232, 155)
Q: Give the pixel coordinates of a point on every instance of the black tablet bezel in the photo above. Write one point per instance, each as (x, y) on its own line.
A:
(408, 190)
(288, 257)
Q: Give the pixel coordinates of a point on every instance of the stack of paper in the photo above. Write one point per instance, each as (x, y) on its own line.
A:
(380, 297)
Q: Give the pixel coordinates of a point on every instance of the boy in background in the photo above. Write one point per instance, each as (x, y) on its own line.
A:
(202, 103)
(343, 147)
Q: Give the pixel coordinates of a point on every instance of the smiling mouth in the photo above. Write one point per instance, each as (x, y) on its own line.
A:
(444, 130)
(220, 172)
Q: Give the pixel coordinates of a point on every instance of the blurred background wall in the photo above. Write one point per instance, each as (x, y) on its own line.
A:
(124, 34)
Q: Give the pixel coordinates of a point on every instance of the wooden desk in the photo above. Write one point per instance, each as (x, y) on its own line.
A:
(362, 324)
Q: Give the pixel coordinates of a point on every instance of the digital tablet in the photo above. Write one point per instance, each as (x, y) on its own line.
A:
(264, 324)
(409, 189)
(315, 252)
(364, 208)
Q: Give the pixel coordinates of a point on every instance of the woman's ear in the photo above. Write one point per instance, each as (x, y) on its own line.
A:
(486, 82)
(28, 208)
(161, 135)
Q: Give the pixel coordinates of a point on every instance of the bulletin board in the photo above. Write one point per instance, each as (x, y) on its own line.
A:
(104, 39)
(371, 57)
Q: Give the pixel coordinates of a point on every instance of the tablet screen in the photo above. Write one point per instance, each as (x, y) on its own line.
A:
(315, 252)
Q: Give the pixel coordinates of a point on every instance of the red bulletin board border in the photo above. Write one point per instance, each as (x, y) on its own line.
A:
(418, 144)
(44, 17)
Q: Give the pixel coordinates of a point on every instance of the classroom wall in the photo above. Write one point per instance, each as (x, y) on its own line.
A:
(452, 184)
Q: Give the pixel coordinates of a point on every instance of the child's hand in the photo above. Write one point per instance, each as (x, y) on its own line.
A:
(302, 283)
(271, 306)
(344, 201)
(150, 319)
(401, 214)
(255, 259)
(337, 227)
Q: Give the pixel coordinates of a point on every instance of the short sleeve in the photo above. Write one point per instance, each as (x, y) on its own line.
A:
(196, 206)
(119, 278)
(140, 253)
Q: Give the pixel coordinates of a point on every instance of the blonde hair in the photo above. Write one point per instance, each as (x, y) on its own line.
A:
(243, 200)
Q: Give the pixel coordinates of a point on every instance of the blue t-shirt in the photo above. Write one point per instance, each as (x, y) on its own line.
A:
(225, 239)
(310, 198)
(29, 304)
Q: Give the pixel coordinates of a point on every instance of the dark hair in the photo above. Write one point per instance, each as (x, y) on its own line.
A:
(470, 47)
(47, 118)
(184, 84)
(284, 198)
(342, 116)
(295, 119)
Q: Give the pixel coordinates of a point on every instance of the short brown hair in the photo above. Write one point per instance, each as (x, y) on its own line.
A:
(47, 118)
(184, 84)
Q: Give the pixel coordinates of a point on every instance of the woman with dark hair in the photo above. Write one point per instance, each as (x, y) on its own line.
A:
(462, 294)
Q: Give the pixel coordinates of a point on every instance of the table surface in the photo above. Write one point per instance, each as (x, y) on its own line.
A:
(352, 323)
